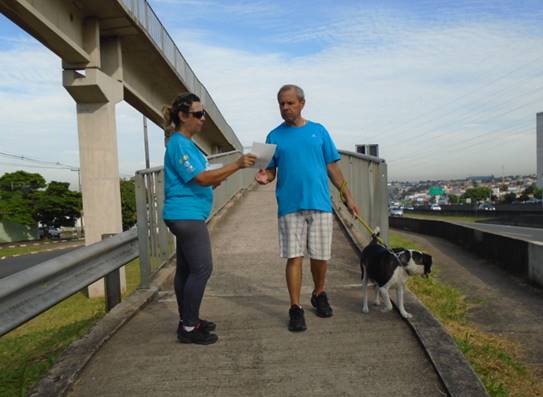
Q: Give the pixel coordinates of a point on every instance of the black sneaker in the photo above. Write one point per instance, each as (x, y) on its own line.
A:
(206, 326)
(320, 303)
(297, 320)
(198, 336)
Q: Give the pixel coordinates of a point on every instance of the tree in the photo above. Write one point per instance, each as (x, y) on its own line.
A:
(480, 193)
(21, 181)
(453, 198)
(128, 203)
(18, 196)
(509, 198)
(58, 205)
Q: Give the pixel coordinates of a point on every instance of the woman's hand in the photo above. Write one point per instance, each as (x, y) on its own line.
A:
(245, 161)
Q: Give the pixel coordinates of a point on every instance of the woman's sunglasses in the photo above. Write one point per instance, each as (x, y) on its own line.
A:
(199, 114)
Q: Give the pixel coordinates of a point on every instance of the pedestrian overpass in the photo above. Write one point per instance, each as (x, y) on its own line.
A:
(115, 50)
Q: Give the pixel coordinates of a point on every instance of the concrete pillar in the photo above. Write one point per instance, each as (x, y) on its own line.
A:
(96, 95)
(539, 153)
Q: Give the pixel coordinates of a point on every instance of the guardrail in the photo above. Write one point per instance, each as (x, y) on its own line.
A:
(26, 294)
(157, 248)
(367, 179)
(516, 256)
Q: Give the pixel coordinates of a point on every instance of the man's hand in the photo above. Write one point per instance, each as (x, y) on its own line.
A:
(262, 177)
(245, 161)
(352, 207)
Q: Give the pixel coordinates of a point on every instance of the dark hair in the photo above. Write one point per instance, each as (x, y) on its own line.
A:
(181, 103)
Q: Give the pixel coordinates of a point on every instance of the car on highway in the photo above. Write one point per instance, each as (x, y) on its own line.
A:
(435, 207)
(395, 211)
(486, 207)
(53, 233)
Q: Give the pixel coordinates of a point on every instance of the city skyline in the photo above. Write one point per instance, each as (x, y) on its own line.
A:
(447, 91)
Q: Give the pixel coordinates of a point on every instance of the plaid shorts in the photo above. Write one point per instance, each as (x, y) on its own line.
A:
(306, 228)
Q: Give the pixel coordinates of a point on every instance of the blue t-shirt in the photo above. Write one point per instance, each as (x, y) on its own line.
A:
(301, 159)
(184, 198)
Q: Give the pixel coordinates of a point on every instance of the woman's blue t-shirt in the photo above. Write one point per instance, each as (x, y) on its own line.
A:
(301, 157)
(184, 198)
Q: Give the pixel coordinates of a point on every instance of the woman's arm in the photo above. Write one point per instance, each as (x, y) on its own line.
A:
(215, 177)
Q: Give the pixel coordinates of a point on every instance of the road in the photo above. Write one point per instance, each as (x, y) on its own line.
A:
(524, 233)
(16, 264)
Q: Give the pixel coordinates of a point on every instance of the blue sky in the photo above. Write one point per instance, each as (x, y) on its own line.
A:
(447, 89)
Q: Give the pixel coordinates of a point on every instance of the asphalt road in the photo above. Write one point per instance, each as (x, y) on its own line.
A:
(524, 233)
(16, 264)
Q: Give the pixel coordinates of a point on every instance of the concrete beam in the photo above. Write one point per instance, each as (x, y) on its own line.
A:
(31, 17)
(92, 86)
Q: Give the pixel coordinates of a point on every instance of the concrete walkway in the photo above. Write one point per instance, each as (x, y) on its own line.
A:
(350, 354)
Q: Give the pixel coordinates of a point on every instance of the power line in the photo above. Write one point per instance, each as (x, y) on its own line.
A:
(35, 166)
(58, 164)
(24, 158)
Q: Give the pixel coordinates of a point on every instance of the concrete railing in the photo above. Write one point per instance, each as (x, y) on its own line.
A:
(156, 243)
(519, 257)
(367, 179)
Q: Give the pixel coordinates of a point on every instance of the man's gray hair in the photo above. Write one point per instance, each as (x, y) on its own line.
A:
(299, 92)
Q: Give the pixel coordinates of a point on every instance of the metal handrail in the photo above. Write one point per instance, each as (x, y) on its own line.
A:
(25, 294)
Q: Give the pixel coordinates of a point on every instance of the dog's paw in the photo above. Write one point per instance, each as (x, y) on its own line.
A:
(365, 309)
(406, 315)
(376, 304)
(386, 309)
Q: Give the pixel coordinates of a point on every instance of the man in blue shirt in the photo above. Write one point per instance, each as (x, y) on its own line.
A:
(304, 159)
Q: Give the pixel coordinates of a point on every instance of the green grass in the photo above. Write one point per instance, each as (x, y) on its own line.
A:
(495, 359)
(27, 352)
(439, 217)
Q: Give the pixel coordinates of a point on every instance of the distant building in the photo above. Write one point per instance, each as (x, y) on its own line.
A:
(540, 150)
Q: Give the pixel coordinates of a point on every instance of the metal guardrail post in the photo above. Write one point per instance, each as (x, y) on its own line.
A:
(143, 230)
(112, 284)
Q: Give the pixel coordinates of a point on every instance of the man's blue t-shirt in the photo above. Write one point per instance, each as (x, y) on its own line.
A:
(184, 198)
(301, 158)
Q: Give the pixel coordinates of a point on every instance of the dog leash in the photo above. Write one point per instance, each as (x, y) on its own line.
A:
(358, 218)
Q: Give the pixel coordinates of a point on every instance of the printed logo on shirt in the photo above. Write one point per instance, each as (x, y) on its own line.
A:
(186, 163)
(314, 136)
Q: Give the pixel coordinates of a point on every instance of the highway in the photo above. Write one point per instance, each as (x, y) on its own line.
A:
(16, 264)
(523, 233)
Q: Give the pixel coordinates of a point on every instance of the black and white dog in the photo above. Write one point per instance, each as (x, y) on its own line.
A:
(390, 268)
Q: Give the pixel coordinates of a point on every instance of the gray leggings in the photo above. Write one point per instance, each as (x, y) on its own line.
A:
(194, 266)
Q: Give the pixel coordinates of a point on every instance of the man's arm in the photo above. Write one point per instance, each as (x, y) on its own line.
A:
(266, 176)
(336, 176)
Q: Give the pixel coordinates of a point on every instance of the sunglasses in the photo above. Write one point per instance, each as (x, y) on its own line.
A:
(199, 114)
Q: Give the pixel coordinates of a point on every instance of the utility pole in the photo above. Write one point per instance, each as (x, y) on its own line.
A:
(146, 143)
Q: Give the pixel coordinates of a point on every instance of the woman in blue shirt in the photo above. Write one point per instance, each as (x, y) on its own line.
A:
(187, 204)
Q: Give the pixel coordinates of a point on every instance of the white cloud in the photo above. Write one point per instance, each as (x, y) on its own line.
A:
(422, 92)
(364, 94)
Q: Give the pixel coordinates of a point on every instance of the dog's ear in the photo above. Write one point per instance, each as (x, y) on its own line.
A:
(426, 260)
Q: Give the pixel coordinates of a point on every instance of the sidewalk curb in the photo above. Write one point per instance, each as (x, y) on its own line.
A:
(450, 364)
(64, 373)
